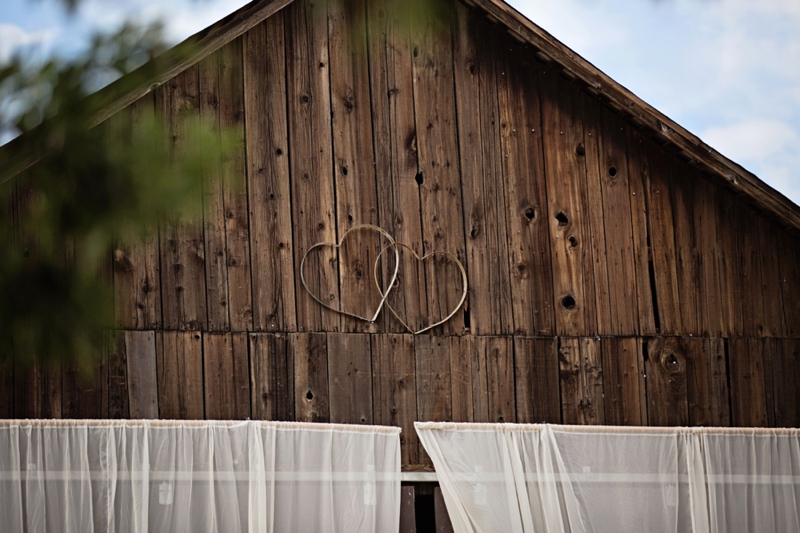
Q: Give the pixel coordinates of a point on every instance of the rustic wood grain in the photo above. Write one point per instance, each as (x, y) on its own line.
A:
(395, 144)
(118, 402)
(581, 381)
(748, 392)
(592, 128)
(7, 386)
(394, 389)
(707, 382)
(482, 181)
(354, 171)
(750, 252)
(468, 383)
(729, 262)
(658, 193)
(438, 160)
(269, 195)
(639, 176)
(782, 369)
(141, 371)
(182, 249)
(443, 522)
(408, 514)
(615, 189)
(271, 377)
(536, 375)
(350, 378)
(667, 396)
(434, 391)
(687, 268)
(771, 278)
(180, 375)
(568, 214)
(710, 313)
(313, 197)
(499, 355)
(82, 383)
(310, 362)
(526, 198)
(789, 246)
(136, 268)
(625, 402)
(226, 374)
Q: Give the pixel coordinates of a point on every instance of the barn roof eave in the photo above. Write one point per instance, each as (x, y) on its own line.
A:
(17, 155)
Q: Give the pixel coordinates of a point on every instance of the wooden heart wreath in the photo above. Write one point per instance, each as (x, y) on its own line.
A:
(384, 296)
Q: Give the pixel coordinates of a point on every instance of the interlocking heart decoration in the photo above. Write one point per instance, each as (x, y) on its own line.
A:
(393, 247)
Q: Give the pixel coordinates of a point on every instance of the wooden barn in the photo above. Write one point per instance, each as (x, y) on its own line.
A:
(618, 270)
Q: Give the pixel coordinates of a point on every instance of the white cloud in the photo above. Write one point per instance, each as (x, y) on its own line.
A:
(752, 139)
(14, 39)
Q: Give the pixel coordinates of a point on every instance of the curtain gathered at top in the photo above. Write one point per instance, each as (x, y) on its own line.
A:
(544, 478)
(194, 477)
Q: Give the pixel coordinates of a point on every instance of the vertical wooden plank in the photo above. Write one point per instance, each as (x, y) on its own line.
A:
(350, 378)
(468, 384)
(310, 360)
(136, 268)
(226, 376)
(688, 274)
(438, 159)
(658, 194)
(581, 379)
(182, 249)
(483, 184)
(216, 270)
(443, 523)
(394, 385)
(625, 402)
(526, 198)
(272, 377)
(615, 189)
(28, 388)
(180, 375)
(709, 288)
(7, 386)
(434, 392)
(748, 394)
(82, 384)
(408, 513)
(771, 278)
(354, 171)
(639, 176)
(790, 281)
(707, 382)
(729, 262)
(52, 400)
(395, 145)
(313, 200)
(782, 369)
(141, 371)
(667, 396)
(234, 190)
(499, 354)
(268, 177)
(750, 250)
(536, 362)
(592, 127)
(118, 403)
(562, 139)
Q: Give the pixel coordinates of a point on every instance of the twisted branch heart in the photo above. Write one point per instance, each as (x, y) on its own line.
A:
(423, 258)
(359, 227)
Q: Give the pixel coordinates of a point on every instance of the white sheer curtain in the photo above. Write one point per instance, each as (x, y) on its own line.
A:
(542, 478)
(140, 476)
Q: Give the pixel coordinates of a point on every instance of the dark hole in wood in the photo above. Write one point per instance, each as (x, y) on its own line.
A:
(416, 51)
(568, 302)
(530, 213)
(563, 220)
(304, 98)
(344, 171)
(580, 150)
(279, 151)
(418, 178)
(271, 196)
(612, 171)
(349, 218)
(573, 241)
(671, 362)
(196, 335)
(309, 395)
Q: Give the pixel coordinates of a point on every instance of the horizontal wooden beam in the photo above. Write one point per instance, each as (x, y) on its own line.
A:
(624, 101)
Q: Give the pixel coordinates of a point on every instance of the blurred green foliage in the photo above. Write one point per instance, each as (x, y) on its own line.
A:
(94, 186)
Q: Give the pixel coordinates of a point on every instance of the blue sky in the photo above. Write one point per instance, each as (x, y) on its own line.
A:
(727, 70)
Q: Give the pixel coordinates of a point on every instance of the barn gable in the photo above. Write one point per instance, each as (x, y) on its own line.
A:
(620, 271)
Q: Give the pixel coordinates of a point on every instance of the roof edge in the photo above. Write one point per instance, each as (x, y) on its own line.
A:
(643, 115)
(17, 155)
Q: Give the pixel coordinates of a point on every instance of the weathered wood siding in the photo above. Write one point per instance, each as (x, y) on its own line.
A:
(610, 282)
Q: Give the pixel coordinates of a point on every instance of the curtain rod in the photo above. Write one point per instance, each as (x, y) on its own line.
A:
(68, 422)
(634, 430)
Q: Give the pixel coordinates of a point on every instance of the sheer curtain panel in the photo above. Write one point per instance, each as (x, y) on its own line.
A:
(150, 476)
(542, 478)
